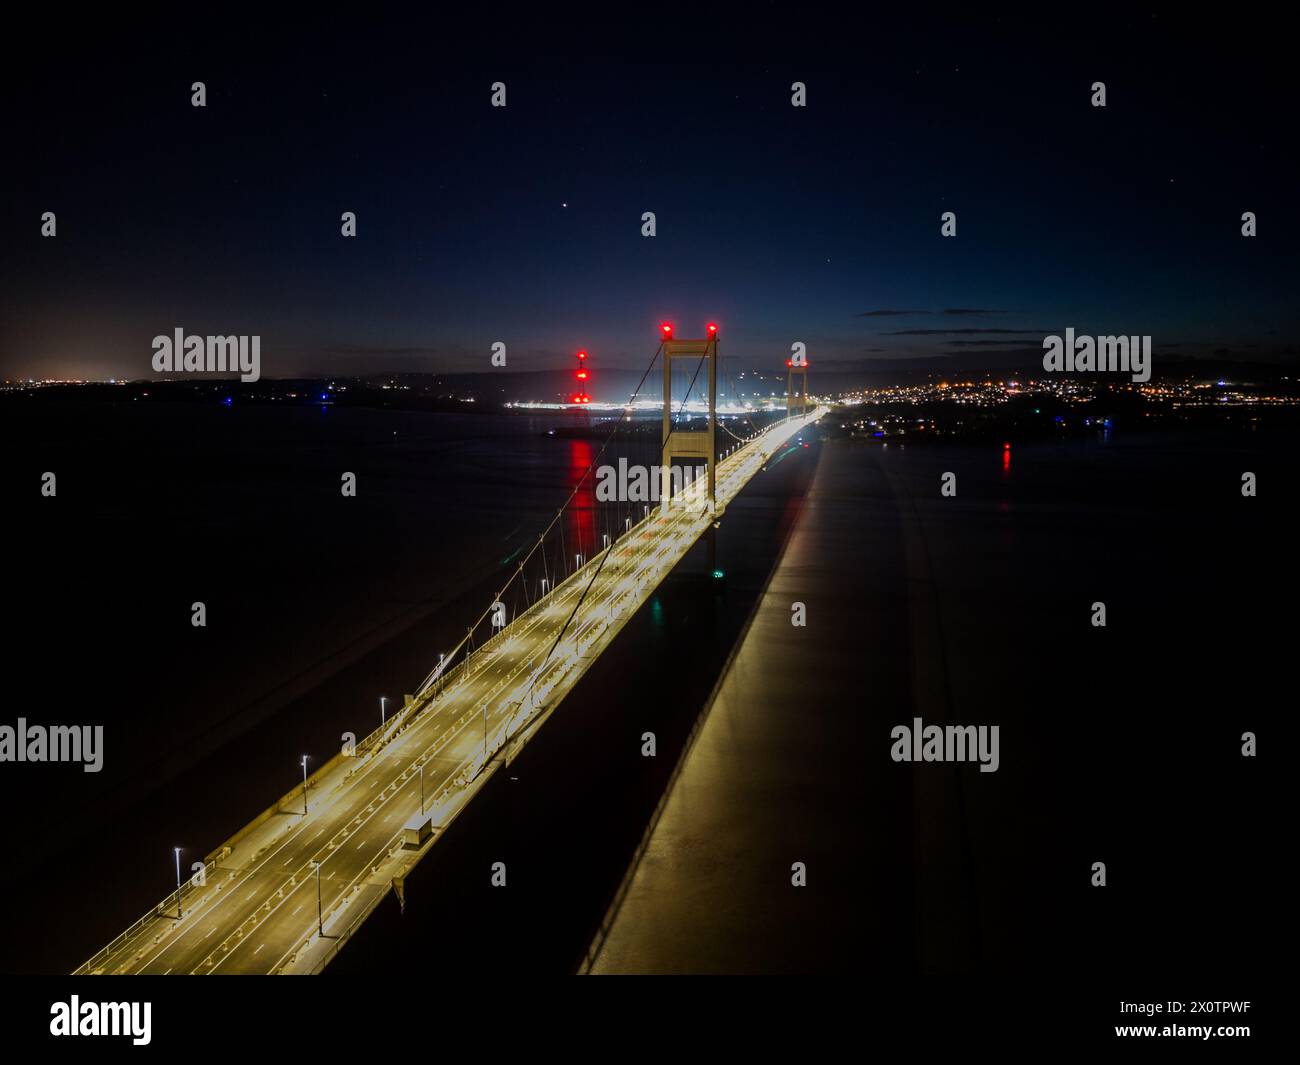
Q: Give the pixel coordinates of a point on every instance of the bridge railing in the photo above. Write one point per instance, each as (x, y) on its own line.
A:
(163, 909)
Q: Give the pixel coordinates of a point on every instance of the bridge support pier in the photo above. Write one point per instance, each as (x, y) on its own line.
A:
(796, 401)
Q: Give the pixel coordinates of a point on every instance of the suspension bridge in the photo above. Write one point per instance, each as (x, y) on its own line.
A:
(286, 892)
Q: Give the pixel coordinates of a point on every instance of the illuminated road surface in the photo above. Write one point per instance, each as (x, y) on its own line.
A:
(258, 911)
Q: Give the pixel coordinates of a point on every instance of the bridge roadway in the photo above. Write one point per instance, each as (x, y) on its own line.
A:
(257, 911)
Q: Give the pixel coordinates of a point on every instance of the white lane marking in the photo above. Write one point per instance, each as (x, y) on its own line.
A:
(259, 947)
(210, 931)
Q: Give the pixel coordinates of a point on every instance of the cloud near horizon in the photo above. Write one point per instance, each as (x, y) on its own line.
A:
(962, 332)
(890, 312)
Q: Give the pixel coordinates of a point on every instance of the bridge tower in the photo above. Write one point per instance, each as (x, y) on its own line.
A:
(694, 444)
(583, 375)
(797, 368)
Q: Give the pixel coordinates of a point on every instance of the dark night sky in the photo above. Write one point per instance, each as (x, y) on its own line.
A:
(780, 223)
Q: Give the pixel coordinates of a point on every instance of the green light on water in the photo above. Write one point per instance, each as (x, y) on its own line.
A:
(718, 574)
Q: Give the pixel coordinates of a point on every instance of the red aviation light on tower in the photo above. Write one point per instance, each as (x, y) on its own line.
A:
(712, 330)
(666, 331)
(582, 374)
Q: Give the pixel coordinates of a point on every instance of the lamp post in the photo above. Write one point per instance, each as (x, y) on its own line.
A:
(382, 701)
(178, 882)
(304, 785)
(421, 789)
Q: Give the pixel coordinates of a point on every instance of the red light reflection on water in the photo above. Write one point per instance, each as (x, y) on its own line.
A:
(582, 517)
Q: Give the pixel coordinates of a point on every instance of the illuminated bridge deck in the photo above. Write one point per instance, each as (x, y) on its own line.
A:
(257, 911)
